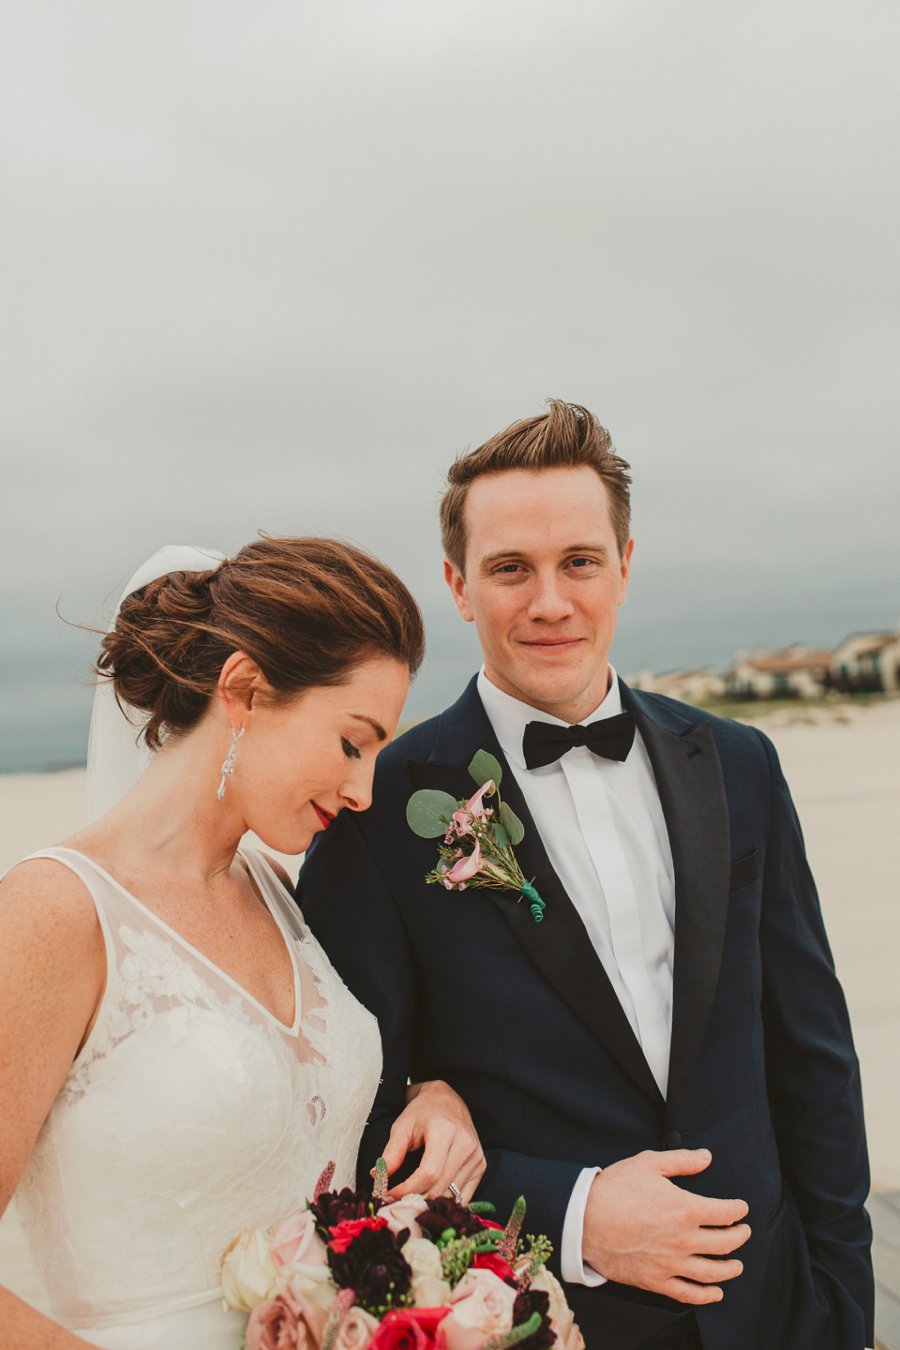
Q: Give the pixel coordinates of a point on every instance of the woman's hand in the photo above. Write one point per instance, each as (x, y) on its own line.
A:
(437, 1118)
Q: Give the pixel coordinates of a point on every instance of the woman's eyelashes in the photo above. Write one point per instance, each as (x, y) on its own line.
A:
(350, 750)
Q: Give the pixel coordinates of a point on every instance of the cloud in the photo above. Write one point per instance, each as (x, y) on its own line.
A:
(274, 267)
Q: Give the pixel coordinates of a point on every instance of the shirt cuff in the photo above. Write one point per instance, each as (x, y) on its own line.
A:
(571, 1258)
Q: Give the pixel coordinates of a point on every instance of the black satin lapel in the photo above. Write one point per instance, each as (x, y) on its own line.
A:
(559, 946)
(563, 952)
(692, 792)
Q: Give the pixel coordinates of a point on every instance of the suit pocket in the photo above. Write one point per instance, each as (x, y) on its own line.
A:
(744, 871)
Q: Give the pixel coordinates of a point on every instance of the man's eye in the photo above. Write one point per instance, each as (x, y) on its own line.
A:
(582, 562)
(507, 569)
(350, 750)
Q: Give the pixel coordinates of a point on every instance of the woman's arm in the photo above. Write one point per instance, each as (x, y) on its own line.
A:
(52, 973)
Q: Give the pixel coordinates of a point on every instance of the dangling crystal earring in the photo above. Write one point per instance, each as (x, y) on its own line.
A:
(228, 766)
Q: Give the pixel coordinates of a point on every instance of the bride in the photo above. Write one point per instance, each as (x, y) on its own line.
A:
(179, 1059)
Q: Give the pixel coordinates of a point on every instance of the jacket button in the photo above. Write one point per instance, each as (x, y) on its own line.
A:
(672, 1139)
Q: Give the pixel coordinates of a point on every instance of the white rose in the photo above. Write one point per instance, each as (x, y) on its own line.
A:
(248, 1270)
(562, 1319)
(429, 1292)
(429, 1288)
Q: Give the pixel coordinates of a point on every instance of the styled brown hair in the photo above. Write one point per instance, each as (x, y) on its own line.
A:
(306, 610)
(565, 437)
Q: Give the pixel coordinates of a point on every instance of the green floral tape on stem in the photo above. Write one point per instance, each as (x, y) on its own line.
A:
(536, 904)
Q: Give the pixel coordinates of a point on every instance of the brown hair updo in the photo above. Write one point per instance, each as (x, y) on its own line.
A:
(306, 610)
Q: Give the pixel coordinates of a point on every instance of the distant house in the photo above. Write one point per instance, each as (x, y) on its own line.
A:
(792, 672)
(689, 686)
(866, 663)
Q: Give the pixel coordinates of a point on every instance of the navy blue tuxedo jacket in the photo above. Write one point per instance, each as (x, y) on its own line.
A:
(522, 1020)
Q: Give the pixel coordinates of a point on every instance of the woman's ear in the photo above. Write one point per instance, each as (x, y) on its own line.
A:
(240, 683)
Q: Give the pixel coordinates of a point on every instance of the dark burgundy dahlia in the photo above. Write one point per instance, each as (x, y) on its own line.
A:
(333, 1207)
(375, 1269)
(529, 1302)
(444, 1213)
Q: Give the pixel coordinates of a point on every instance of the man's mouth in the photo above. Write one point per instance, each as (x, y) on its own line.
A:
(551, 644)
(324, 816)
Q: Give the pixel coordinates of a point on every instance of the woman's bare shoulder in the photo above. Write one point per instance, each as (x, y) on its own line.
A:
(43, 903)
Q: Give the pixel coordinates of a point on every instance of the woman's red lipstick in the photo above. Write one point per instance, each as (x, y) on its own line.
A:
(325, 816)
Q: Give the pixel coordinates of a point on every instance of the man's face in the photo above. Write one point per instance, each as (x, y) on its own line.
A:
(543, 582)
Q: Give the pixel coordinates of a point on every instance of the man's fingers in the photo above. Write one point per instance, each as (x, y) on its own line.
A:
(704, 1271)
(697, 1294)
(721, 1241)
(710, 1213)
(683, 1162)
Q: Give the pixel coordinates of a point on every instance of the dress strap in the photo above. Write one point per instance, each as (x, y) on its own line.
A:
(92, 881)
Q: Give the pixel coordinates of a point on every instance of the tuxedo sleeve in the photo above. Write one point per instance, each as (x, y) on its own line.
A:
(813, 1074)
(347, 900)
(349, 906)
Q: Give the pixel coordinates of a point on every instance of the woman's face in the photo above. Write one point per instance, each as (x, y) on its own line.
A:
(299, 763)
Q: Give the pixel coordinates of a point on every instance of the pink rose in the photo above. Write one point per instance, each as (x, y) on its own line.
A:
(297, 1240)
(481, 1307)
(403, 1213)
(285, 1322)
(356, 1331)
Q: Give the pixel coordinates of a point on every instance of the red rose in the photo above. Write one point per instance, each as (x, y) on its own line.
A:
(343, 1233)
(491, 1261)
(411, 1329)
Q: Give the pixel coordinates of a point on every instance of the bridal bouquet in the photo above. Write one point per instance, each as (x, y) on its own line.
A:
(352, 1271)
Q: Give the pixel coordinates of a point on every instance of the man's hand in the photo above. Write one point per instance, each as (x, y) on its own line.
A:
(641, 1229)
(436, 1117)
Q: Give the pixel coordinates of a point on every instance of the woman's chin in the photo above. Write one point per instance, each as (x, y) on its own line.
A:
(290, 843)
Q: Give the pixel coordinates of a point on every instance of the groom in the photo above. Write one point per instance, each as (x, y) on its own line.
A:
(679, 994)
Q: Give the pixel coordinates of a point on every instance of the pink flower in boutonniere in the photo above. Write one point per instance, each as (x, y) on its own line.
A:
(477, 840)
(463, 870)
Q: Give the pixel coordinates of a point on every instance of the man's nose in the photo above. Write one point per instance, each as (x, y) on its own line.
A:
(548, 600)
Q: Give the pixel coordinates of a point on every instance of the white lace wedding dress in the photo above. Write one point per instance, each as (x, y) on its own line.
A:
(190, 1112)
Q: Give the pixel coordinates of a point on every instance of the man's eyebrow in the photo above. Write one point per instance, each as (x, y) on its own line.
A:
(511, 554)
(376, 726)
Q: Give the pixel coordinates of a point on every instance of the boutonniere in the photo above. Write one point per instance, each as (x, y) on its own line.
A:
(477, 840)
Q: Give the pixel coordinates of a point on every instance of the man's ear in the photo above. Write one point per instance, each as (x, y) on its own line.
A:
(625, 570)
(457, 583)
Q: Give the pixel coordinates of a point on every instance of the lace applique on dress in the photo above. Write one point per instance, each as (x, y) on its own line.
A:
(190, 1112)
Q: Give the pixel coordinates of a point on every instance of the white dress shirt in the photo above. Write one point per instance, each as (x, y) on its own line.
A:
(605, 835)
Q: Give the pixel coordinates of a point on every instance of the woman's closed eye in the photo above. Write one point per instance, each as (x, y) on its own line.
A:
(350, 750)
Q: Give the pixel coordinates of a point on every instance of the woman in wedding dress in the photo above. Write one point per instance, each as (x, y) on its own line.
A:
(178, 1059)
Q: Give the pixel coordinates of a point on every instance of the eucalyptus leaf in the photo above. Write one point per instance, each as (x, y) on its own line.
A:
(428, 812)
(485, 766)
(512, 824)
(500, 834)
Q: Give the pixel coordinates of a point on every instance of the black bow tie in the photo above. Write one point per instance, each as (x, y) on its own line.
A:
(611, 737)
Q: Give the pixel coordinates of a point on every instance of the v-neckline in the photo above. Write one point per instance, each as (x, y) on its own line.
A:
(289, 1030)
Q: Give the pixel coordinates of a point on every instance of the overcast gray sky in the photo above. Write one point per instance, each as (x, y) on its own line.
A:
(274, 265)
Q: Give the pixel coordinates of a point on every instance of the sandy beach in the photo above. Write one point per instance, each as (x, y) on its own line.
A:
(843, 765)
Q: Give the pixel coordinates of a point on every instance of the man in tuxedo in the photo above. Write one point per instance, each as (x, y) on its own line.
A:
(667, 1054)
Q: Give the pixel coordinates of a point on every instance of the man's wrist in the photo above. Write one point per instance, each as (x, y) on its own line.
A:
(571, 1257)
